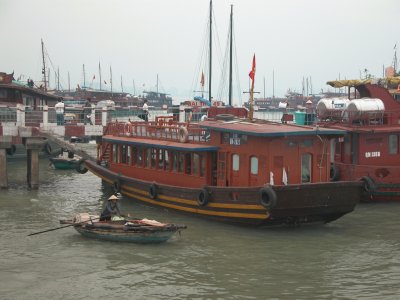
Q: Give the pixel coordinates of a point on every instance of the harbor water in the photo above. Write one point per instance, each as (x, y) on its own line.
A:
(355, 257)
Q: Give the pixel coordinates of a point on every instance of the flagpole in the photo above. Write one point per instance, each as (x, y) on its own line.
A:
(252, 76)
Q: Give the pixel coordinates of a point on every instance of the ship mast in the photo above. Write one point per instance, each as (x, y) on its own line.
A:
(44, 67)
(100, 75)
(230, 58)
(210, 50)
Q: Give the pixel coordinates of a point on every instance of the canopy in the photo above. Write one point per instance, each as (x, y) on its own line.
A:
(357, 82)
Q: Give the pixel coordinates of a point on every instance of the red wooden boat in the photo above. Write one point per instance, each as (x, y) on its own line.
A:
(229, 169)
(370, 149)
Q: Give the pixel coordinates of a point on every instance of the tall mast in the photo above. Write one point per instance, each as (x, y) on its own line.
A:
(100, 74)
(111, 80)
(84, 76)
(230, 58)
(395, 60)
(210, 50)
(157, 85)
(44, 67)
(134, 88)
(264, 87)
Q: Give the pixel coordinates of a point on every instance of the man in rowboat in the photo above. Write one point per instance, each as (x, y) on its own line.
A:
(111, 209)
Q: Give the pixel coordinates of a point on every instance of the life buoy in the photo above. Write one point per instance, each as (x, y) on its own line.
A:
(117, 186)
(47, 148)
(268, 197)
(225, 117)
(11, 150)
(153, 191)
(203, 197)
(80, 167)
(334, 173)
(183, 134)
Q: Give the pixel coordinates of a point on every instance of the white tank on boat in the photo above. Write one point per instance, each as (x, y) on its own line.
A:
(366, 105)
(330, 107)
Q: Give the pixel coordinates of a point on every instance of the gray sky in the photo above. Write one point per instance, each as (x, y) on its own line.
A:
(140, 39)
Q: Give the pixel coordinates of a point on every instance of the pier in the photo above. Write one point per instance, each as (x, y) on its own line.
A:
(33, 131)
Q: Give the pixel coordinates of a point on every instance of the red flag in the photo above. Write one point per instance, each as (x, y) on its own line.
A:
(94, 77)
(202, 79)
(105, 82)
(253, 68)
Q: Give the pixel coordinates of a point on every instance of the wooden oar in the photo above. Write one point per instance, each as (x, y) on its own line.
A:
(61, 227)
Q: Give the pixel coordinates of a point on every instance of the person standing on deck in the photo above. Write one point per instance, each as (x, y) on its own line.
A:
(59, 107)
(145, 111)
(111, 209)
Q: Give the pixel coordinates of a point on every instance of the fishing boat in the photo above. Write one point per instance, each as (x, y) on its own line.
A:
(230, 169)
(370, 116)
(60, 163)
(142, 231)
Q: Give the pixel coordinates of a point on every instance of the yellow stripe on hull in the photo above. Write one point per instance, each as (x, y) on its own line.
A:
(263, 216)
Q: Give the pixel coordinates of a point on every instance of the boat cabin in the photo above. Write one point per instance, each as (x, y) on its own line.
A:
(227, 152)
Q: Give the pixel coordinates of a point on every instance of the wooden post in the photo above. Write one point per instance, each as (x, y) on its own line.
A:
(3, 169)
(33, 146)
(5, 142)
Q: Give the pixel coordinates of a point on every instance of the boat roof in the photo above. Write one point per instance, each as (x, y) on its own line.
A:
(267, 129)
(357, 82)
(367, 129)
(29, 90)
(163, 144)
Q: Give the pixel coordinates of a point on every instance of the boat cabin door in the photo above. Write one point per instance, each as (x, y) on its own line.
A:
(221, 169)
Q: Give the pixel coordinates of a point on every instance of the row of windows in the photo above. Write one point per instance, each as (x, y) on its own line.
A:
(305, 166)
(160, 159)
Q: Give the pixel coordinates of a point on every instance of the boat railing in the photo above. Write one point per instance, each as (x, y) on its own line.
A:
(164, 128)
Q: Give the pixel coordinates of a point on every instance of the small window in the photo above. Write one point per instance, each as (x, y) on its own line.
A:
(306, 168)
(235, 162)
(188, 163)
(196, 164)
(148, 157)
(202, 165)
(167, 163)
(114, 153)
(393, 144)
(124, 153)
(139, 156)
(254, 165)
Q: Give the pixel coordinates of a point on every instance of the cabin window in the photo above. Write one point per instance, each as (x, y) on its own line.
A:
(139, 156)
(188, 163)
(393, 144)
(174, 156)
(129, 156)
(306, 167)
(114, 153)
(3, 93)
(161, 159)
(124, 153)
(254, 165)
(196, 164)
(202, 165)
(148, 158)
(153, 157)
(235, 162)
(167, 162)
(181, 162)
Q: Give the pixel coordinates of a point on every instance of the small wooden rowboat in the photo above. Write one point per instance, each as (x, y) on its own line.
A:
(142, 231)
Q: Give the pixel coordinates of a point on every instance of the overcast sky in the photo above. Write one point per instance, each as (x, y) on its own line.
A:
(296, 39)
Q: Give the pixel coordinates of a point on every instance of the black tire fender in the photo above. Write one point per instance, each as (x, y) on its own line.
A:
(117, 186)
(47, 148)
(268, 197)
(334, 173)
(80, 168)
(11, 150)
(369, 184)
(153, 191)
(203, 197)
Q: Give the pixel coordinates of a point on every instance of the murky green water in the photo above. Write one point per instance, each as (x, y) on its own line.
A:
(356, 257)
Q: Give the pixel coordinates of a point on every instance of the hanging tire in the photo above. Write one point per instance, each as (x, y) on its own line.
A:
(268, 197)
(117, 186)
(203, 197)
(153, 191)
(80, 168)
(183, 134)
(48, 149)
(369, 185)
(334, 173)
(11, 150)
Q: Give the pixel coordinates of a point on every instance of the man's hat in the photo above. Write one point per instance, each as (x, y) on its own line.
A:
(113, 197)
